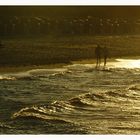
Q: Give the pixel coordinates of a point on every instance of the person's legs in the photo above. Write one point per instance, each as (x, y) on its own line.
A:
(96, 61)
(105, 61)
(99, 60)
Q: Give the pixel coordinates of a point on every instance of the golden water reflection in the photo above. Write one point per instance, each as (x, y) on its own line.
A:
(125, 63)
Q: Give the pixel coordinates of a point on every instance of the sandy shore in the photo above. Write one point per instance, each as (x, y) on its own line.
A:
(8, 69)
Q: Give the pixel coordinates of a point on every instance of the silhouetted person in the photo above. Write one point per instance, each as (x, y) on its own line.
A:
(105, 55)
(1, 44)
(98, 55)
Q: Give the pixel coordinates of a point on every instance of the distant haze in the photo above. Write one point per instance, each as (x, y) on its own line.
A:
(97, 11)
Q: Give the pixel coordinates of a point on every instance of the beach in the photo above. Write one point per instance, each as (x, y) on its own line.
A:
(19, 54)
(36, 51)
(62, 92)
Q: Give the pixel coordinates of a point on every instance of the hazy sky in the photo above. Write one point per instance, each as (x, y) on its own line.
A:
(103, 11)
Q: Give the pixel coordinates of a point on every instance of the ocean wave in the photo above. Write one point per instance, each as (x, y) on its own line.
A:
(34, 74)
(48, 72)
(77, 102)
(118, 93)
(110, 96)
(65, 110)
(86, 99)
(16, 76)
(42, 113)
(61, 106)
(2, 77)
(134, 87)
(5, 126)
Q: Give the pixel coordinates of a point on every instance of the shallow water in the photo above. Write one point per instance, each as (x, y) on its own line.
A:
(75, 99)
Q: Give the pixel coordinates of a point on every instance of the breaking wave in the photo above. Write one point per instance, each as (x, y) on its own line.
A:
(35, 73)
(65, 110)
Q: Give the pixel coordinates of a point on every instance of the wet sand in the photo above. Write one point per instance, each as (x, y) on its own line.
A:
(8, 69)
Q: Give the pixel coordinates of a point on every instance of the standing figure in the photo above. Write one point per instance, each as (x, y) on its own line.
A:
(105, 54)
(98, 55)
(0, 43)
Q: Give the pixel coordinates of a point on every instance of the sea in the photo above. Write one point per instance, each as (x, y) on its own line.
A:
(74, 99)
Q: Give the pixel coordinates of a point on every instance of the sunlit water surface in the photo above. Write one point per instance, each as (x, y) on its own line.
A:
(74, 99)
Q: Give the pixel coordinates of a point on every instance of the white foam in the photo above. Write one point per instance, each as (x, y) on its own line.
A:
(32, 73)
(7, 78)
(125, 63)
